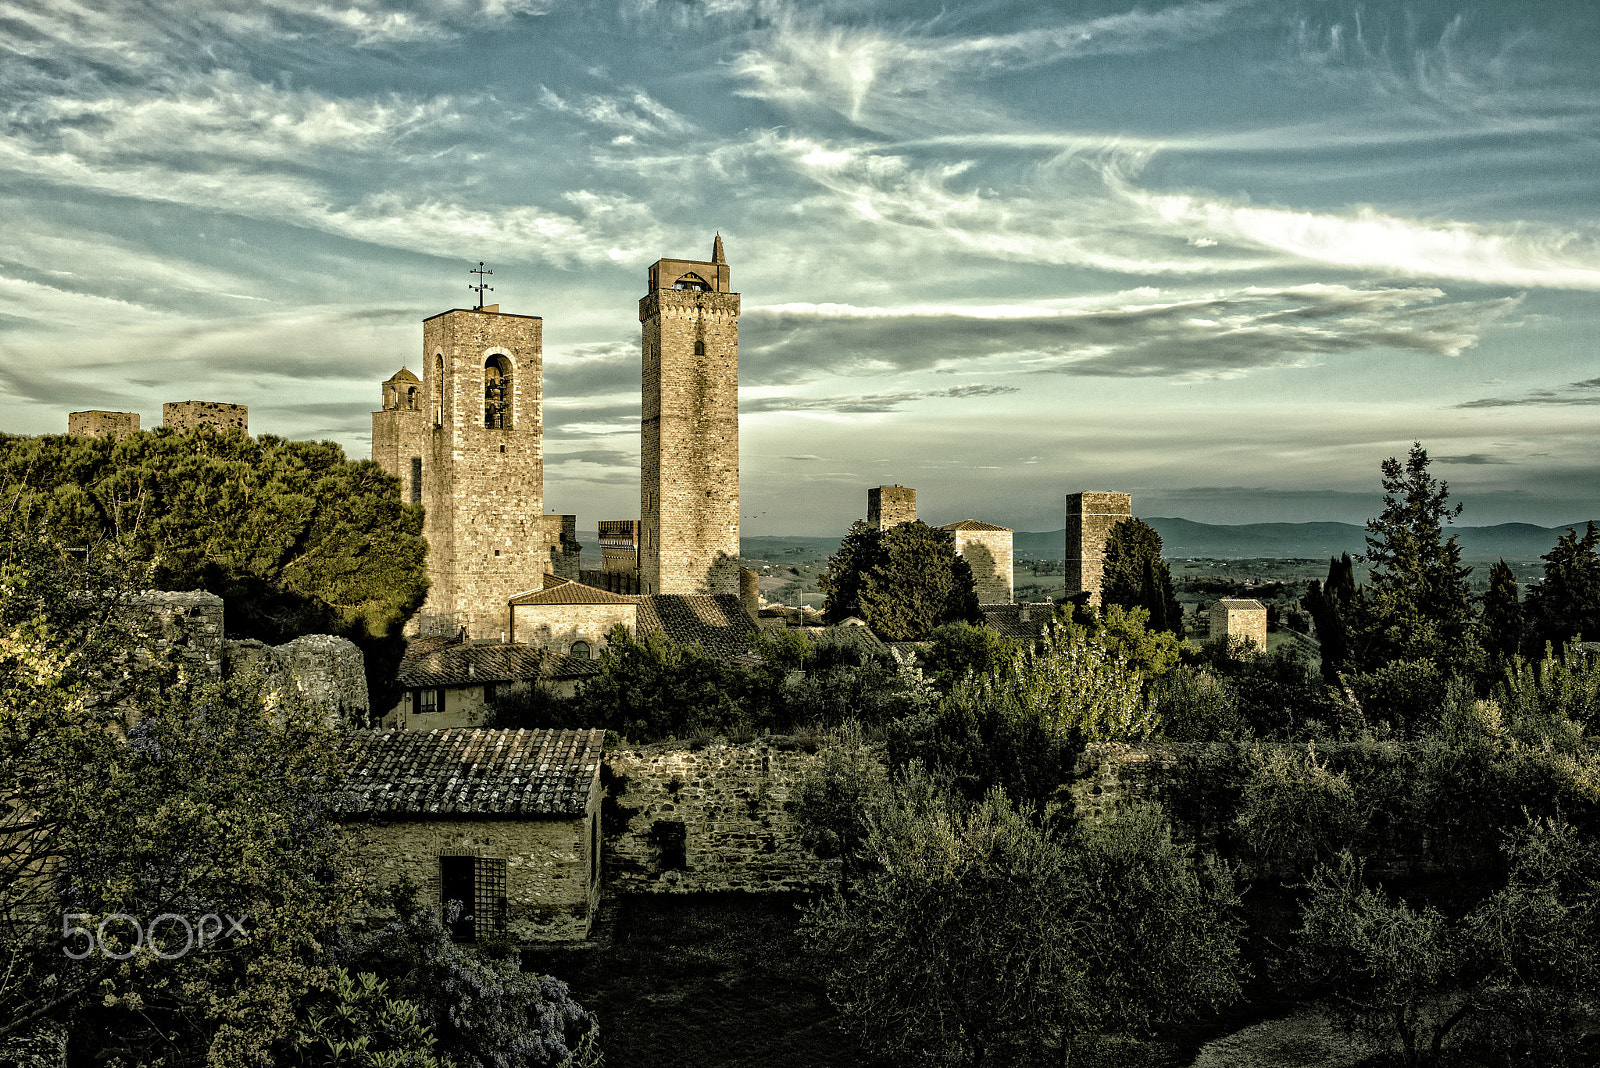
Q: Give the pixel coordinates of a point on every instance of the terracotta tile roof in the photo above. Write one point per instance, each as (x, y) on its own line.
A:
(462, 772)
(565, 591)
(859, 638)
(1227, 602)
(973, 524)
(718, 622)
(1007, 618)
(428, 663)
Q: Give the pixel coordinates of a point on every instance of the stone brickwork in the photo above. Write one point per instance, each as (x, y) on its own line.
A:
(689, 456)
(889, 506)
(324, 671)
(1090, 517)
(183, 627)
(987, 550)
(97, 424)
(552, 889)
(400, 433)
(186, 415)
(561, 531)
(483, 484)
(558, 626)
(1239, 620)
(719, 818)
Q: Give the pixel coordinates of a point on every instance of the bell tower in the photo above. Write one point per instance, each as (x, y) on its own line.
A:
(689, 454)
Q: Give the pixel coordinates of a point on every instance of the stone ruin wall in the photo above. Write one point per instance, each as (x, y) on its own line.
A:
(680, 820)
(98, 424)
(186, 415)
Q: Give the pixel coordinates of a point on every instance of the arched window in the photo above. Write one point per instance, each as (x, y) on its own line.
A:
(580, 648)
(699, 348)
(692, 281)
(411, 398)
(497, 393)
(438, 390)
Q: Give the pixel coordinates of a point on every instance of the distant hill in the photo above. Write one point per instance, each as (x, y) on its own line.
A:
(1183, 537)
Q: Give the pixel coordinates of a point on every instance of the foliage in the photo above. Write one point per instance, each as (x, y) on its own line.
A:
(1196, 705)
(531, 707)
(1566, 605)
(296, 538)
(837, 793)
(1416, 604)
(1551, 702)
(485, 1013)
(976, 937)
(959, 649)
(1295, 810)
(902, 582)
(1277, 695)
(1502, 615)
(1401, 695)
(1333, 607)
(651, 687)
(356, 1024)
(1151, 651)
(1135, 576)
(210, 806)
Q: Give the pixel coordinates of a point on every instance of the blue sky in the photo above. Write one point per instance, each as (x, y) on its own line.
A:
(1226, 256)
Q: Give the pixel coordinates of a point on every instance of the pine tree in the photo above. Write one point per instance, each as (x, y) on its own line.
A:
(1566, 605)
(903, 582)
(1502, 614)
(1331, 606)
(1135, 576)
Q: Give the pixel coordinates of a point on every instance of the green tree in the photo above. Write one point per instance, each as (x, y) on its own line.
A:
(902, 582)
(1135, 576)
(956, 650)
(1333, 606)
(1502, 614)
(1416, 604)
(1566, 605)
(979, 937)
(293, 536)
(650, 687)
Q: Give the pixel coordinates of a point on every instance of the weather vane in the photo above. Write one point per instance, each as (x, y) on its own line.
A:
(480, 287)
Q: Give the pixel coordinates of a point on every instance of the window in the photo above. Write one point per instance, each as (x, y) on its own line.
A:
(472, 896)
(497, 393)
(699, 348)
(416, 480)
(488, 693)
(427, 702)
(438, 390)
(411, 398)
(580, 648)
(594, 851)
(692, 281)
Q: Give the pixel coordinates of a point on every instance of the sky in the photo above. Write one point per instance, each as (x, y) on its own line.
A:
(1226, 256)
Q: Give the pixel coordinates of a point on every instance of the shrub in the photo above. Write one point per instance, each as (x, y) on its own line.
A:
(1294, 810)
(1405, 695)
(1194, 705)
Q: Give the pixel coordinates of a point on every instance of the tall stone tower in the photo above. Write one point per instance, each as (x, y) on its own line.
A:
(1090, 517)
(889, 506)
(689, 455)
(472, 452)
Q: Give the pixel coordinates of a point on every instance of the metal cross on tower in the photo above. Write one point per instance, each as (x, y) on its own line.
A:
(480, 287)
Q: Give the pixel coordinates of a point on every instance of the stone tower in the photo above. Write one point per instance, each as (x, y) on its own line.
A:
(480, 442)
(987, 550)
(1090, 517)
(689, 449)
(889, 506)
(98, 424)
(186, 415)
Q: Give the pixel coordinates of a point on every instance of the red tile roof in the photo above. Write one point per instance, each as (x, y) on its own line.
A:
(973, 524)
(471, 772)
(428, 663)
(565, 591)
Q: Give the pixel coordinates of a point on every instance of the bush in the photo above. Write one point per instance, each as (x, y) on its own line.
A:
(1404, 695)
(1551, 702)
(1194, 705)
(1294, 810)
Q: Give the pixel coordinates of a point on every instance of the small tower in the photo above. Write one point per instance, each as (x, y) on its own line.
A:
(1090, 517)
(689, 447)
(482, 405)
(889, 506)
(98, 424)
(400, 433)
(187, 415)
(987, 550)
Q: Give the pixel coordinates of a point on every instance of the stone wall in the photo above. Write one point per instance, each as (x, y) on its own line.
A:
(186, 415)
(889, 506)
(324, 671)
(680, 820)
(689, 456)
(483, 486)
(183, 627)
(97, 424)
(1090, 517)
(988, 553)
(557, 626)
(552, 889)
(1239, 620)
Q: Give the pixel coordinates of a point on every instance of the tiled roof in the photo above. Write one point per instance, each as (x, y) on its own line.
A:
(473, 772)
(858, 637)
(718, 622)
(565, 591)
(1237, 603)
(973, 524)
(455, 664)
(404, 375)
(1007, 618)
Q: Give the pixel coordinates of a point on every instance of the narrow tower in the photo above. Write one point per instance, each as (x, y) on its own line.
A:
(689, 455)
(1090, 517)
(482, 472)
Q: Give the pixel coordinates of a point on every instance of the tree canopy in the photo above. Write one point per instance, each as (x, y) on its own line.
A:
(293, 536)
(1566, 605)
(1135, 576)
(902, 582)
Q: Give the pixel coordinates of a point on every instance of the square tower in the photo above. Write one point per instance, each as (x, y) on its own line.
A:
(689, 447)
(1239, 620)
(482, 471)
(1090, 517)
(98, 424)
(889, 506)
(186, 415)
(987, 550)
(400, 433)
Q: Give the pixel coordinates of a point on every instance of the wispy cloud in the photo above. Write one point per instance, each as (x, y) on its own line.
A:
(871, 404)
(1472, 459)
(1574, 393)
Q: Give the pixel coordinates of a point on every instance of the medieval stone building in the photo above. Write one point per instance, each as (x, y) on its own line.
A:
(987, 550)
(889, 506)
(1090, 517)
(186, 415)
(98, 424)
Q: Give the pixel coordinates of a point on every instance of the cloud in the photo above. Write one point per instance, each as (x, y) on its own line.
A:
(871, 404)
(1573, 393)
(1471, 459)
(1210, 336)
(633, 114)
